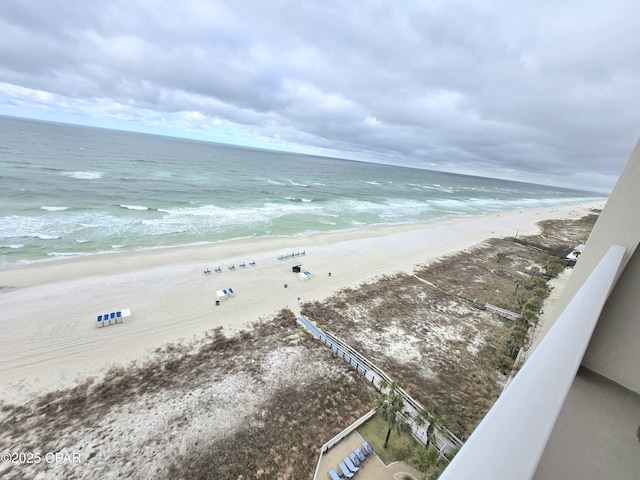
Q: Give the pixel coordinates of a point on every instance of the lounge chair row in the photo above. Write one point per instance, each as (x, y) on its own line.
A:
(109, 319)
(218, 269)
(350, 464)
(292, 254)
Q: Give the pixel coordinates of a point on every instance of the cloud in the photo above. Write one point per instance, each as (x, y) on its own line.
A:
(541, 91)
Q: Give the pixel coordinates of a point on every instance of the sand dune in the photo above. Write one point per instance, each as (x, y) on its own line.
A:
(50, 340)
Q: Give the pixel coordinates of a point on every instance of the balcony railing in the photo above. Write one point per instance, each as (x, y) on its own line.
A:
(510, 440)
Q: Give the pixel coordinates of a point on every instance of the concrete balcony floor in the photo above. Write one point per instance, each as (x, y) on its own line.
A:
(596, 435)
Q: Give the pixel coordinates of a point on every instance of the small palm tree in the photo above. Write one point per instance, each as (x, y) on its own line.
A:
(424, 458)
(517, 283)
(391, 408)
(434, 419)
(429, 462)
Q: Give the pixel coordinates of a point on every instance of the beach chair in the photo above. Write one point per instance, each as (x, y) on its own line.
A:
(218, 270)
(242, 265)
(225, 292)
(231, 292)
(345, 471)
(359, 453)
(232, 267)
(367, 448)
(100, 321)
(354, 458)
(253, 263)
(207, 271)
(119, 317)
(333, 475)
(350, 465)
(105, 318)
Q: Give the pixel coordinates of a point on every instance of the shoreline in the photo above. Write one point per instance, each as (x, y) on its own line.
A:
(49, 308)
(62, 257)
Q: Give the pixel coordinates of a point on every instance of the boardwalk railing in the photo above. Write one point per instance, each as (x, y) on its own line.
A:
(444, 440)
(502, 312)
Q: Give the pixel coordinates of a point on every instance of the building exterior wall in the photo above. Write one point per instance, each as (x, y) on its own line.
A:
(614, 348)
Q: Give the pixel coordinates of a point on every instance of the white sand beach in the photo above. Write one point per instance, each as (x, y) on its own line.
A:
(49, 335)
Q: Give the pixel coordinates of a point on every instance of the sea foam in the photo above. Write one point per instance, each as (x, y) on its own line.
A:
(134, 207)
(54, 209)
(83, 175)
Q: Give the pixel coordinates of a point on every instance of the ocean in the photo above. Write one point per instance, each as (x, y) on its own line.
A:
(71, 190)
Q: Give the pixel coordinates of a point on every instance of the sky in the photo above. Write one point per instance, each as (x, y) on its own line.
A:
(538, 91)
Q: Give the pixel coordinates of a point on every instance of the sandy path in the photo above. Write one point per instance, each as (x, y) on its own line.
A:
(48, 310)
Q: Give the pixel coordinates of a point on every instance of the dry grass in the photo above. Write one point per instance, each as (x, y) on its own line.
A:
(282, 439)
(423, 329)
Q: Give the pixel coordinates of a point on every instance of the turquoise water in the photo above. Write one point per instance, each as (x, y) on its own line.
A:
(70, 190)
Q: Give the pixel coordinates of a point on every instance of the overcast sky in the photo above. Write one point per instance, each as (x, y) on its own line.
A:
(543, 91)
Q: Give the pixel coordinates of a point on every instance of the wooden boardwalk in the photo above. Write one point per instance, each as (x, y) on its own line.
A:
(444, 439)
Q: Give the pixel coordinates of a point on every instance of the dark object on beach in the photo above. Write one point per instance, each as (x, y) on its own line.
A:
(285, 285)
(329, 273)
(479, 305)
(217, 303)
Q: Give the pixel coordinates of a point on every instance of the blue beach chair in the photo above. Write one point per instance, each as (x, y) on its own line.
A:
(99, 320)
(105, 318)
(230, 291)
(359, 453)
(119, 317)
(367, 448)
(345, 471)
(333, 475)
(350, 465)
(354, 458)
